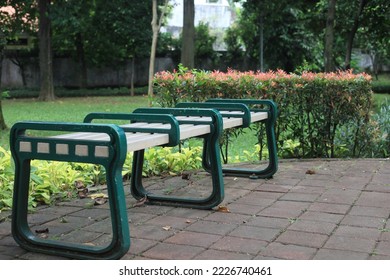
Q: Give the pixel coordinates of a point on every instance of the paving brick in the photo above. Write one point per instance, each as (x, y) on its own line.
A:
(278, 188)
(228, 218)
(358, 232)
(288, 252)
(266, 234)
(350, 244)
(339, 196)
(5, 228)
(331, 208)
(385, 235)
(169, 221)
(240, 245)
(308, 189)
(193, 238)
(188, 213)
(313, 226)
(323, 217)
(362, 221)
(152, 232)
(245, 209)
(268, 222)
(383, 248)
(374, 199)
(212, 254)
(306, 197)
(328, 254)
(139, 246)
(370, 211)
(385, 188)
(211, 227)
(259, 198)
(381, 178)
(165, 251)
(285, 209)
(306, 239)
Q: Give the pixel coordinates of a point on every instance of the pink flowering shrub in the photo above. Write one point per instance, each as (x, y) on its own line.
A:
(312, 106)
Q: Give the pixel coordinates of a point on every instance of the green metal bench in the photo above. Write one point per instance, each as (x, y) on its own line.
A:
(107, 145)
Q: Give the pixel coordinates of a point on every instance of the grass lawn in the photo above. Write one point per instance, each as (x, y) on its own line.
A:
(64, 109)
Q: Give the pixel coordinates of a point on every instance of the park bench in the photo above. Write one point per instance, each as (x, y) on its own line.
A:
(107, 144)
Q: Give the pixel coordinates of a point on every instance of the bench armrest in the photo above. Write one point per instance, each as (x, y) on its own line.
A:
(245, 113)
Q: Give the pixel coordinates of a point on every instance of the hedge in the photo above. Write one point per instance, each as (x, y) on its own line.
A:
(314, 107)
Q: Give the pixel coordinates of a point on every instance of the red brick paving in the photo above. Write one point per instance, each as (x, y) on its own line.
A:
(340, 212)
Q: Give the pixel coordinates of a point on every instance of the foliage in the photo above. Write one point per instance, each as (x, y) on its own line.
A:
(312, 106)
(53, 181)
(204, 42)
(108, 31)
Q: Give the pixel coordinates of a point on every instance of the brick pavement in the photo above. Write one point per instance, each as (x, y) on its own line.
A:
(338, 210)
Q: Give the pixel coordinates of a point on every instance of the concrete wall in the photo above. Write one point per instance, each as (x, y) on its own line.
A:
(67, 73)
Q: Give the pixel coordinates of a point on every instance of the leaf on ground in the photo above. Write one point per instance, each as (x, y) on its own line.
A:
(141, 202)
(98, 195)
(167, 228)
(223, 209)
(100, 200)
(82, 191)
(310, 172)
(43, 230)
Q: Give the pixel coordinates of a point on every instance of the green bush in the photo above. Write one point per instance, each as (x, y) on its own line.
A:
(53, 181)
(313, 107)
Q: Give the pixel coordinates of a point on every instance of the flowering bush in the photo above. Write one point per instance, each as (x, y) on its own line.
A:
(312, 105)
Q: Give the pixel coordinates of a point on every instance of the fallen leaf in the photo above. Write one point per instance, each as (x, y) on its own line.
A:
(44, 230)
(188, 222)
(98, 195)
(141, 202)
(100, 200)
(167, 228)
(185, 175)
(223, 209)
(310, 172)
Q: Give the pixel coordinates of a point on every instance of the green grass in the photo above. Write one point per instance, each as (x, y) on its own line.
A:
(382, 85)
(64, 109)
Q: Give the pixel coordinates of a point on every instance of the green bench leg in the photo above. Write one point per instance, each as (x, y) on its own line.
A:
(214, 199)
(269, 123)
(25, 148)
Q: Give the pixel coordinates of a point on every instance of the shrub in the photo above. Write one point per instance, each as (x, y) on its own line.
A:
(312, 106)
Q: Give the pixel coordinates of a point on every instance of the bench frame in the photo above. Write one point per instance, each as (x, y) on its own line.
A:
(111, 154)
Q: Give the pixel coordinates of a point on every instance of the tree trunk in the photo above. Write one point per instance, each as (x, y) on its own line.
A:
(3, 126)
(188, 49)
(352, 33)
(132, 76)
(81, 61)
(329, 37)
(45, 53)
(156, 25)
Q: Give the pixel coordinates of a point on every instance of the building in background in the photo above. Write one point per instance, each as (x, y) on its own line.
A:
(217, 13)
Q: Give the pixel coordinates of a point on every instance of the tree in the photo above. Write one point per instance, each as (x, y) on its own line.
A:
(156, 26)
(3, 126)
(45, 52)
(329, 37)
(287, 38)
(187, 50)
(102, 33)
(352, 33)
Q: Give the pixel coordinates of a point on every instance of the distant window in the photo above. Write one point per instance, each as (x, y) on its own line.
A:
(212, 1)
